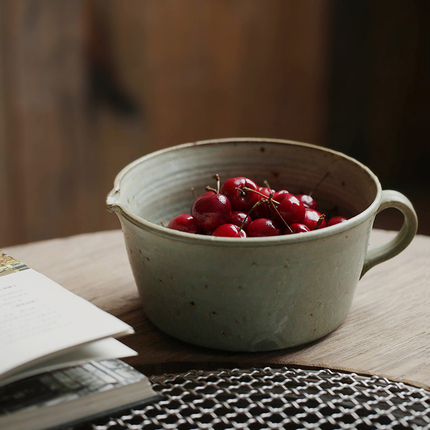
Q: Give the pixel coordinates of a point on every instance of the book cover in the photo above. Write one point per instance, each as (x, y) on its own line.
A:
(72, 395)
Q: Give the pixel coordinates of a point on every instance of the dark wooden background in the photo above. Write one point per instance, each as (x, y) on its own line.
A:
(87, 86)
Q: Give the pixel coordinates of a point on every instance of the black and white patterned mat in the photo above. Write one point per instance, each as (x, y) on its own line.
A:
(276, 398)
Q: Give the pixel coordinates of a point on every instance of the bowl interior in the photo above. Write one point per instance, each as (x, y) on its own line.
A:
(159, 186)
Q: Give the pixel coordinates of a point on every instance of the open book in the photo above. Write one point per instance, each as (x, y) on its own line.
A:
(49, 334)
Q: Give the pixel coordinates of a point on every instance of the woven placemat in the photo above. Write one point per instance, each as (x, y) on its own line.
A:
(290, 398)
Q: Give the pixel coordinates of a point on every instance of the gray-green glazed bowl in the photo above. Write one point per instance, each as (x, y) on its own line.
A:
(251, 294)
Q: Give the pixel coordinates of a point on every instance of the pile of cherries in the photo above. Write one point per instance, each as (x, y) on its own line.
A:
(241, 208)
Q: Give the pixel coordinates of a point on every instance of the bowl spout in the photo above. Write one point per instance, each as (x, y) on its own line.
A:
(112, 200)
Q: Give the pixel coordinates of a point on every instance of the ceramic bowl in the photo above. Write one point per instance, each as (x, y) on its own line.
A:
(251, 294)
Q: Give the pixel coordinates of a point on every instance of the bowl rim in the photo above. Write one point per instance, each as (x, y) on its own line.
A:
(113, 198)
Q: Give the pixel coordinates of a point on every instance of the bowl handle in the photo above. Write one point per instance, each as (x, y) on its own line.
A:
(393, 199)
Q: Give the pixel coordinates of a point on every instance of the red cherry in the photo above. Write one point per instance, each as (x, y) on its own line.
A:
(210, 210)
(336, 220)
(312, 219)
(241, 219)
(185, 222)
(229, 230)
(308, 201)
(266, 191)
(297, 228)
(263, 209)
(291, 209)
(263, 227)
(280, 195)
(240, 192)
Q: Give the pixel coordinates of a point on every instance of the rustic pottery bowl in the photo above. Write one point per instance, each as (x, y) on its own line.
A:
(251, 294)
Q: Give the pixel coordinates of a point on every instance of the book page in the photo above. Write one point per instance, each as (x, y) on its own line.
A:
(39, 318)
(100, 350)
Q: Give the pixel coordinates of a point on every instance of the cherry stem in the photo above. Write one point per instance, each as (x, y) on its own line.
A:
(258, 192)
(319, 222)
(218, 183)
(209, 188)
(194, 192)
(266, 184)
(242, 192)
(319, 183)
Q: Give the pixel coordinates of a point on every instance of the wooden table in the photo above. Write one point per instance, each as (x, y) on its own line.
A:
(387, 332)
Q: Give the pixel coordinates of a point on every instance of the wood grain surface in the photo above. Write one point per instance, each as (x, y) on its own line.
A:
(387, 332)
(88, 86)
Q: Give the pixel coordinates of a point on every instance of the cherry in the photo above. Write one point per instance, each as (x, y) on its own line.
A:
(240, 208)
(297, 228)
(262, 210)
(185, 222)
(241, 193)
(229, 230)
(210, 210)
(336, 220)
(280, 195)
(277, 197)
(291, 209)
(241, 219)
(313, 219)
(266, 191)
(308, 201)
(262, 227)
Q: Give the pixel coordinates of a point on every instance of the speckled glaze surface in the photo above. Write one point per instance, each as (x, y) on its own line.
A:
(253, 294)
